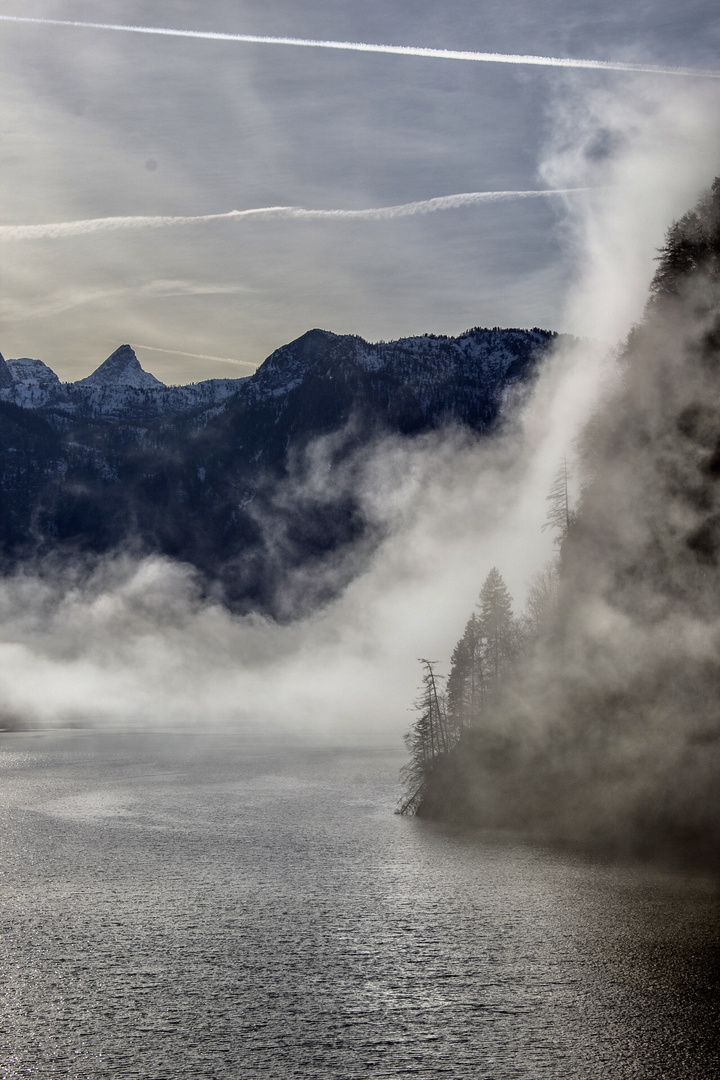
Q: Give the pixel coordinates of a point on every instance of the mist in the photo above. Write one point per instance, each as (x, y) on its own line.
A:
(133, 642)
(140, 643)
(608, 728)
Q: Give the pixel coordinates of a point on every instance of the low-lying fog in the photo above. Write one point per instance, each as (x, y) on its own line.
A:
(134, 644)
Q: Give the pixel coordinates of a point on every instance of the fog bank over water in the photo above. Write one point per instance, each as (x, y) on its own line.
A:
(137, 642)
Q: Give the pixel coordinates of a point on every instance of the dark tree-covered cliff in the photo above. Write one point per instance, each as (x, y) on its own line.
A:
(607, 727)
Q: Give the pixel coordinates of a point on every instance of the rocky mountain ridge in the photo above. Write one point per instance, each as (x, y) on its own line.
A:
(120, 389)
(216, 473)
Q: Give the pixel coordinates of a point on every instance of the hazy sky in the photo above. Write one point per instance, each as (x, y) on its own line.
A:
(102, 124)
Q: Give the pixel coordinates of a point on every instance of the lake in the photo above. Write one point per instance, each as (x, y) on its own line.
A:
(180, 907)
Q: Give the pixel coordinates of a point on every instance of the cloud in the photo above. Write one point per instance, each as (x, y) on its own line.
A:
(647, 153)
(91, 226)
(397, 50)
(198, 356)
(137, 642)
(129, 641)
(67, 299)
(612, 720)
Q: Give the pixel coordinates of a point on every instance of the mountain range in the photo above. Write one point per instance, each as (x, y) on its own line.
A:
(217, 473)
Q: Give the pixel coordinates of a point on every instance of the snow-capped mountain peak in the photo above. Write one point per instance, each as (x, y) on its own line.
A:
(122, 369)
(118, 391)
(27, 370)
(194, 472)
(33, 384)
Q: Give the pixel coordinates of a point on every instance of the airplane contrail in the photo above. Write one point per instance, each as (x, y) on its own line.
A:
(57, 230)
(398, 50)
(198, 356)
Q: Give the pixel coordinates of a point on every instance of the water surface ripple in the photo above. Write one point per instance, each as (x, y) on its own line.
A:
(182, 908)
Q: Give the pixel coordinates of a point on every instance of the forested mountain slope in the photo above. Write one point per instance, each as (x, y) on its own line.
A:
(605, 722)
(215, 473)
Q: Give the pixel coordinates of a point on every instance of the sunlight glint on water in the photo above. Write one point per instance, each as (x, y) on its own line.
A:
(177, 907)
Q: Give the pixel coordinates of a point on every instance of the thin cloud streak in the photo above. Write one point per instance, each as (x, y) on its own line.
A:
(58, 230)
(197, 356)
(398, 50)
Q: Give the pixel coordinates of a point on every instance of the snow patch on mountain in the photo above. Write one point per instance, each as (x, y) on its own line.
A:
(34, 384)
(427, 375)
(119, 390)
(122, 368)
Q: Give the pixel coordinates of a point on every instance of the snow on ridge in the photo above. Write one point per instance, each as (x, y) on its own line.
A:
(119, 389)
(32, 384)
(27, 370)
(122, 368)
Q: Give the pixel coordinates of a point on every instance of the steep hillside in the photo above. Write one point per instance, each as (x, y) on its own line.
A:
(606, 726)
(217, 473)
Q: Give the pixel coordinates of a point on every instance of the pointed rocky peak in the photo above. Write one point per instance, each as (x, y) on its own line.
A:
(122, 370)
(6, 378)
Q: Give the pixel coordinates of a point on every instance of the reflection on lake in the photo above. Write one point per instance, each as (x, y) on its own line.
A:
(183, 908)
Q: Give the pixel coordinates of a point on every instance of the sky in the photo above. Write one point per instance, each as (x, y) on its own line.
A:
(101, 124)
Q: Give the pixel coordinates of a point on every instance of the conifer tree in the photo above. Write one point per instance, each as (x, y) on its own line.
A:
(465, 684)
(426, 740)
(541, 604)
(692, 245)
(560, 515)
(498, 629)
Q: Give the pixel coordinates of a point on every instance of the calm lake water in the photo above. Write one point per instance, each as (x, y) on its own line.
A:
(181, 908)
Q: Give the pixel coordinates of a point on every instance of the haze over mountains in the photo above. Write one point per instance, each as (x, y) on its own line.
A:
(118, 390)
(249, 479)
